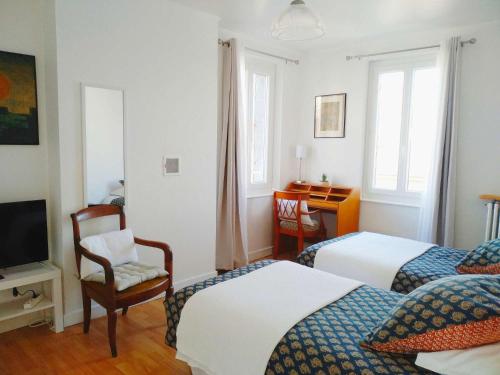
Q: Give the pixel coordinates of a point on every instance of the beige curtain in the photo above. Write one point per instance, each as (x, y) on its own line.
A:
(437, 213)
(231, 250)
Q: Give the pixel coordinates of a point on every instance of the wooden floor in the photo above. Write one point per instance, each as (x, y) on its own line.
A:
(141, 347)
(140, 337)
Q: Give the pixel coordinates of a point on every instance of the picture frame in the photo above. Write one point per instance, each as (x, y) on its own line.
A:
(329, 116)
(18, 99)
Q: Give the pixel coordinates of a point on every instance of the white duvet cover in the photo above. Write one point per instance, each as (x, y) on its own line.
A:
(233, 327)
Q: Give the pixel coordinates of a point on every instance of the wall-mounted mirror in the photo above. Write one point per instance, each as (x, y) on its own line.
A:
(103, 137)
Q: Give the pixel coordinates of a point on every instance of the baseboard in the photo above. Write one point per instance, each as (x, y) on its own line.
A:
(76, 316)
(193, 280)
(260, 253)
(97, 311)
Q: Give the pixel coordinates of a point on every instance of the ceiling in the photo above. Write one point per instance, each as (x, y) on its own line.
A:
(351, 19)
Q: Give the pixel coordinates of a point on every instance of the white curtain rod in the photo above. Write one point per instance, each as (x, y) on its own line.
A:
(359, 57)
(286, 59)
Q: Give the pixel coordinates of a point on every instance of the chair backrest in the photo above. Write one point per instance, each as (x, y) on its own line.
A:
(286, 206)
(89, 213)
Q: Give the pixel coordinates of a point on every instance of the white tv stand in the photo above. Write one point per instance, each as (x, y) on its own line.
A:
(30, 274)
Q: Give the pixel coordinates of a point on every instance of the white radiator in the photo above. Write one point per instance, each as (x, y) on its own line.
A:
(492, 221)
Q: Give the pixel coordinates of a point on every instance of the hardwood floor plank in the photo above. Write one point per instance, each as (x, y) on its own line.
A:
(140, 340)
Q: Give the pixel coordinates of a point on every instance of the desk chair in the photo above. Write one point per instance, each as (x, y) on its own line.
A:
(288, 221)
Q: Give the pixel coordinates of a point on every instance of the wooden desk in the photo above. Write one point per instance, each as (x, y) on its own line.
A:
(490, 197)
(342, 200)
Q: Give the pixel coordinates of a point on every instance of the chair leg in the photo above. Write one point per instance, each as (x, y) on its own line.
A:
(124, 311)
(86, 311)
(276, 248)
(323, 233)
(300, 244)
(112, 331)
(322, 227)
(168, 293)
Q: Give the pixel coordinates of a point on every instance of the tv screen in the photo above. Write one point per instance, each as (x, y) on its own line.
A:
(23, 233)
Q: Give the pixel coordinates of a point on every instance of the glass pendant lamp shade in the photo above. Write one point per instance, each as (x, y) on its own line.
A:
(298, 22)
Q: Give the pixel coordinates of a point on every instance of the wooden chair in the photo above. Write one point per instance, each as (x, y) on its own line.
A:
(288, 221)
(106, 294)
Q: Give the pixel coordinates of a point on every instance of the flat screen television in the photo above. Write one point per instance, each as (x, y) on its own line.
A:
(23, 233)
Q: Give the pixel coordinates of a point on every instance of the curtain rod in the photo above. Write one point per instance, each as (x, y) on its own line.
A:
(359, 57)
(286, 59)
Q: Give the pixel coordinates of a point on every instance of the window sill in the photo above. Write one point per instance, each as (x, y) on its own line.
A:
(392, 203)
(259, 195)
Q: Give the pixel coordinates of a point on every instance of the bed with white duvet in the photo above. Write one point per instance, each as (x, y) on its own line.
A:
(387, 262)
(268, 324)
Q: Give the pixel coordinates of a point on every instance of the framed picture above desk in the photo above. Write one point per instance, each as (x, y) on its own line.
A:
(340, 200)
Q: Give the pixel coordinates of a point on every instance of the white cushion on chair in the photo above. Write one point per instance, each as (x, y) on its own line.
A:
(288, 214)
(118, 247)
(129, 274)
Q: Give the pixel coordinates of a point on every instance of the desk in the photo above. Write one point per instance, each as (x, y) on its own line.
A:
(341, 200)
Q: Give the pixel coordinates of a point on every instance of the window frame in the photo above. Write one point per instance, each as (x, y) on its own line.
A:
(257, 65)
(408, 65)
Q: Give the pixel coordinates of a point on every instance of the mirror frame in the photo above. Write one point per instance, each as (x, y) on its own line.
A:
(83, 86)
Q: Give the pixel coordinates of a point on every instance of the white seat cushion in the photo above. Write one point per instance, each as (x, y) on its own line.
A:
(129, 274)
(118, 247)
(293, 225)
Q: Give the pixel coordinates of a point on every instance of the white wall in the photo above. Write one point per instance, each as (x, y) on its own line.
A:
(52, 117)
(164, 56)
(23, 169)
(328, 72)
(479, 134)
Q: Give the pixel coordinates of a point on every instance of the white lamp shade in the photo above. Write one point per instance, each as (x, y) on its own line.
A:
(300, 152)
(298, 22)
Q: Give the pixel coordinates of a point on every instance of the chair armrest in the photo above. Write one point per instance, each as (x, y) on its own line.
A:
(309, 212)
(162, 246)
(105, 263)
(321, 223)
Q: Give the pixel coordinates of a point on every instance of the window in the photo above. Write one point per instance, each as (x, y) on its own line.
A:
(401, 122)
(260, 131)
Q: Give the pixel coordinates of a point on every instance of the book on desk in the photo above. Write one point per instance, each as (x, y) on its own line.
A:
(341, 200)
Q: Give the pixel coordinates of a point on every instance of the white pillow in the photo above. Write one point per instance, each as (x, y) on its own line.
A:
(120, 191)
(484, 360)
(306, 219)
(118, 247)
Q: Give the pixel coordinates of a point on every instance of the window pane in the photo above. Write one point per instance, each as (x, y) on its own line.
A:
(260, 129)
(424, 98)
(388, 129)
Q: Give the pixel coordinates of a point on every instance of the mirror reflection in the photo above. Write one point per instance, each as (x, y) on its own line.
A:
(104, 165)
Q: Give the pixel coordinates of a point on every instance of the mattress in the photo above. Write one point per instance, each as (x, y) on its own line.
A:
(435, 263)
(325, 342)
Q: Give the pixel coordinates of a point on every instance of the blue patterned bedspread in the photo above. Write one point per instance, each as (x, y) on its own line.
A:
(435, 263)
(327, 341)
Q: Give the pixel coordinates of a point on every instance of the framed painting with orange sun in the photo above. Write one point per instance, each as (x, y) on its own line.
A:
(18, 100)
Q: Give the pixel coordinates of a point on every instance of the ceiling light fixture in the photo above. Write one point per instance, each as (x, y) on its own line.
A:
(298, 22)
